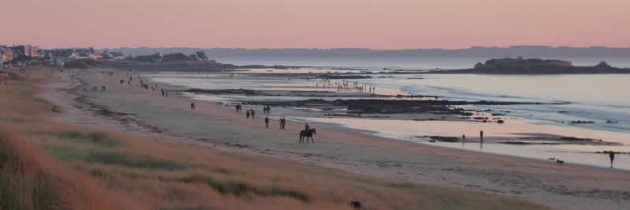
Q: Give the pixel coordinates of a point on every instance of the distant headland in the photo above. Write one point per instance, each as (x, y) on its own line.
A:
(198, 59)
(536, 66)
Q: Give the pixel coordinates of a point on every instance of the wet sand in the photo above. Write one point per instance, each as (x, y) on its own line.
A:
(146, 112)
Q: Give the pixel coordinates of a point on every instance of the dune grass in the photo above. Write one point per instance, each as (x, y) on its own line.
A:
(50, 165)
(99, 148)
(240, 188)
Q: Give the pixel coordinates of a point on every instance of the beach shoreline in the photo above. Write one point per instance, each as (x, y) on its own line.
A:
(344, 149)
(410, 115)
(86, 159)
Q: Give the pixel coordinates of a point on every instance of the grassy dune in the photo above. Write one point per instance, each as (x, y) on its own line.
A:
(50, 165)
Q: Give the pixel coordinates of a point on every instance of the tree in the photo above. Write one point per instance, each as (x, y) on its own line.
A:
(202, 55)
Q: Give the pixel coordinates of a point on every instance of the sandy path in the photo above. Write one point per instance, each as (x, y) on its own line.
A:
(560, 186)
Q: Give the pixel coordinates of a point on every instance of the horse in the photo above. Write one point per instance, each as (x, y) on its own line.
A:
(306, 134)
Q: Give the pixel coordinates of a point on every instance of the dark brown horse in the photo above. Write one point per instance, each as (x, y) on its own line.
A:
(306, 134)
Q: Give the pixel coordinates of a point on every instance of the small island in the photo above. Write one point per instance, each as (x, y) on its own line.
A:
(536, 66)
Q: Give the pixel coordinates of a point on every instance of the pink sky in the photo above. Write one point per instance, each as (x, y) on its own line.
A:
(382, 24)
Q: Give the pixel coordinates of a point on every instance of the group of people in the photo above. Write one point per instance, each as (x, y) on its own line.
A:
(266, 109)
(251, 114)
(480, 137)
(345, 85)
(96, 88)
(142, 84)
(101, 88)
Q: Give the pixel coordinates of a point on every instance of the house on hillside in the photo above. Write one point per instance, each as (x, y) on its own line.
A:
(18, 51)
(112, 55)
(76, 55)
(1, 58)
(31, 51)
(6, 56)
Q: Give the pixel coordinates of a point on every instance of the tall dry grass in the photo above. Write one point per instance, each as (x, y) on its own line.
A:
(30, 180)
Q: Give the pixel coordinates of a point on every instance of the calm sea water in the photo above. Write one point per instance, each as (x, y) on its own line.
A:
(603, 99)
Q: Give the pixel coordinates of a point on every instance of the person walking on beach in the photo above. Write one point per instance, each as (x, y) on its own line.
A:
(282, 123)
(481, 139)
(463, 138)
(266, 122)
(253, 114)
(247, 114)
(611, 154)
(192, 105)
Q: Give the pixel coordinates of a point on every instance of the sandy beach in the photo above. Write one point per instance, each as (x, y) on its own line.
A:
(145, 112)
(55, 157)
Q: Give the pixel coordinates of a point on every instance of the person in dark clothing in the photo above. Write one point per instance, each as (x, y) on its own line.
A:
(283, 122)
(192, 105)
(611, 154)
(267, 122)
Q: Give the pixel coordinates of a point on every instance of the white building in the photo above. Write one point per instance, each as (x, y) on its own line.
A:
(6, 55)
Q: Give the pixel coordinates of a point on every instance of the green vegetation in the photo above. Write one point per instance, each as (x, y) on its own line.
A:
(95, 147)
(241, 189)
(91, 138)
(22, 184)
(134, 161)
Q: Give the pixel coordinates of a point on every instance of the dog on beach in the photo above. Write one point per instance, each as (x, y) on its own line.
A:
(356, 204)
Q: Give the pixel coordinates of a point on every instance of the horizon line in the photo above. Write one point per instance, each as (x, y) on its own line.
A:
(315, 48)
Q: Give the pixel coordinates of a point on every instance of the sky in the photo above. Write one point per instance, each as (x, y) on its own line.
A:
(377, 24)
